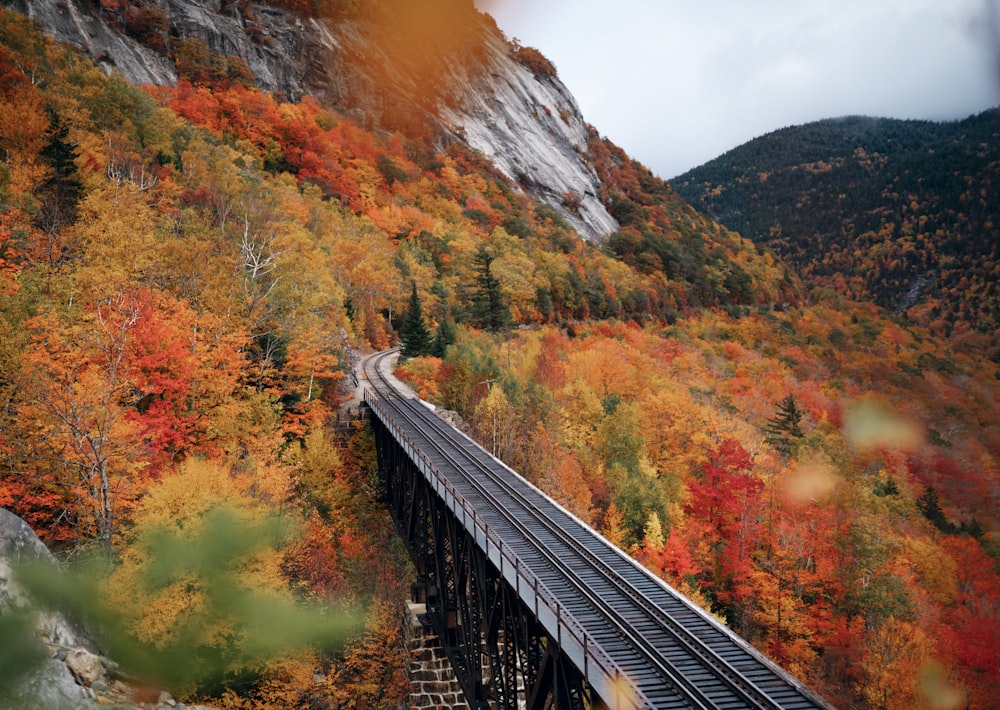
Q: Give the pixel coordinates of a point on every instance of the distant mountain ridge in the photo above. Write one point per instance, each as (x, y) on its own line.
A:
(902, 213)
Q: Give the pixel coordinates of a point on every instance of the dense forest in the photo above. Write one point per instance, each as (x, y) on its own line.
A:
(901, 213)
(187, 273)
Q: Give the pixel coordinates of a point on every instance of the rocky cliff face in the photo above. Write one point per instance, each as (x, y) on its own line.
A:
(70, 673)
(75, 23)
(531, 129)
(529, 126)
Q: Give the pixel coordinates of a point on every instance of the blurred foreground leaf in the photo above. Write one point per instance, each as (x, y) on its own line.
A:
(21, 652)
(220, 625)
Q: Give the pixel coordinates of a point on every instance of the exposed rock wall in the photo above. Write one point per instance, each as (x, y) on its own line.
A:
(73, 22)
(72, 675)
(529, 127)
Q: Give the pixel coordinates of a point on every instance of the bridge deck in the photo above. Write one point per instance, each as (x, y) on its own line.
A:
(674, 655)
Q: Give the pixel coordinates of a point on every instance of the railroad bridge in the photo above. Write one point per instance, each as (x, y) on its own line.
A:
(535, 609)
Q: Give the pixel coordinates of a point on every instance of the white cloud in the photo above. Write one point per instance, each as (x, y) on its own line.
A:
(677, 83)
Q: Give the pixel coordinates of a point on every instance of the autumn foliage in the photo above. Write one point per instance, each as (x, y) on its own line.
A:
(897, 212)
(187, 273)
(820, 547)
(173, 333)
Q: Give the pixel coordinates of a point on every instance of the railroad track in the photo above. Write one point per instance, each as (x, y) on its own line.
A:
(671, 651)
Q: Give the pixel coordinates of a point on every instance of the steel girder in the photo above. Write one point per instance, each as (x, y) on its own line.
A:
(501, 654)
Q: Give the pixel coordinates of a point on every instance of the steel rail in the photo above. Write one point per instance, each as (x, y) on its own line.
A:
(637, 643)
(621, 697)
(733, 680)
(729, 679)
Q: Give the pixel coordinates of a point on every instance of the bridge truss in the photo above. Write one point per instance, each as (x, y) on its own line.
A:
(502, 656)
(534, 609)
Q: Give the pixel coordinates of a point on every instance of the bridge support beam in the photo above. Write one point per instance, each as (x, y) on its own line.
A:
(501, 654)
(434, 682)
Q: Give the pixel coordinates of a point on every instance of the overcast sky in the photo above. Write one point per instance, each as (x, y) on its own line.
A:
(679, 82)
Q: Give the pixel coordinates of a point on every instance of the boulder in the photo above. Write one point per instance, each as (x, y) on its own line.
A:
(52, 685)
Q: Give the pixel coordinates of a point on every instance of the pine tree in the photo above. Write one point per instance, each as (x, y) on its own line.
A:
(488, 307)
(414, 334)
(887, 487)
(59, 194)
(444, 337)
(782, 430)
(929, 505)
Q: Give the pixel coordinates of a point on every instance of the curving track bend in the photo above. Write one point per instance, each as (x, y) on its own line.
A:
(673, 654)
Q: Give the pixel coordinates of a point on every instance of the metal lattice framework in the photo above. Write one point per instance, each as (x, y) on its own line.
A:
(501, 654)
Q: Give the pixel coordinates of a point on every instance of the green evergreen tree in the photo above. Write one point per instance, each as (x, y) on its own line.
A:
(783, 429)
(543, 297)
(444, 337)
(972, 529)
(414, 333)
(929, 505)
(489, 310)
(887, 487)
(59, 194)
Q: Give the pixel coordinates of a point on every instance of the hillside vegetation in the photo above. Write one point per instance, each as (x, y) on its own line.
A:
(186, 275)
(822, 476)
(901, 213)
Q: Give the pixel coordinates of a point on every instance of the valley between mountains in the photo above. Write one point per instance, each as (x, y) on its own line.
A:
(774, 382)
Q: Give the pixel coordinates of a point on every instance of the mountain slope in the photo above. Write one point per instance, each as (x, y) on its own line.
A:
(187, 272)
(463, 82)
(438, 75)
(903, 213)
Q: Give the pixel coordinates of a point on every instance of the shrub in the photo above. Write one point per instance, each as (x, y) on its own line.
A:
(535, 61)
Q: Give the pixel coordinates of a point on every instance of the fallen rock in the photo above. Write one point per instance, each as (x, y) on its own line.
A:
(85, 666)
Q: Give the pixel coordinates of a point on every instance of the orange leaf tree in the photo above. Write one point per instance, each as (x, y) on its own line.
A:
(75, 399)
